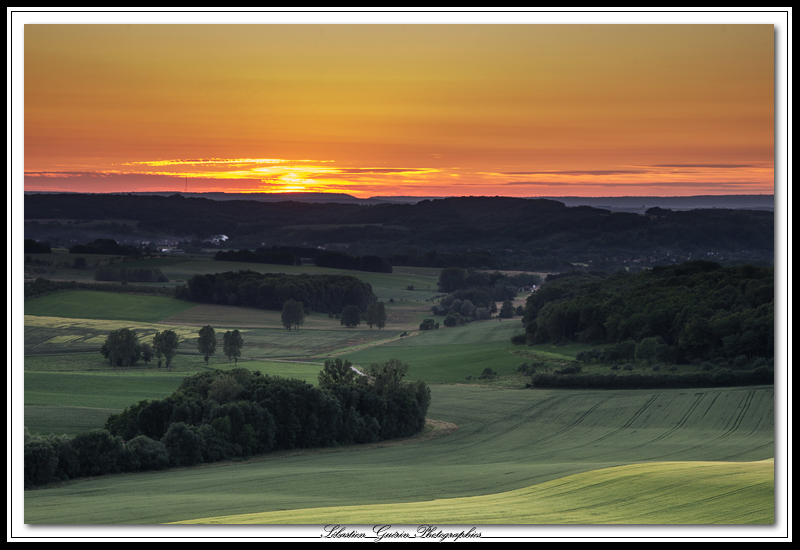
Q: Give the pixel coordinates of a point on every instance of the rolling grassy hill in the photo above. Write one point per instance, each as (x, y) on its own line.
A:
(651, 493)
(507, 440)
(525, 456)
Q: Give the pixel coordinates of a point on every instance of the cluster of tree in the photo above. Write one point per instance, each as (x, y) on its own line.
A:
(129, 274)
(481, 287)
(321, 293)
(692, 311)
(343, 260)
(428, 324)
(262, 257)
(232, 343)
(649, 350)
(458, 312)
(293, 315)
(34, 247)
(351, 317)
(93, 453)
(104, 246)
(465, 306)
(41, 286)
(376, 316)
(122, 348)
(222, 415)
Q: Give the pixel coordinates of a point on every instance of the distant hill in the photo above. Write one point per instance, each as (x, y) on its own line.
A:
(641, 204)
(493, 232)
(615, 204)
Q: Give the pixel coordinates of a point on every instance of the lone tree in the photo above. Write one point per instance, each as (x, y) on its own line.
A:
(382, 317)
(207, 342)
(147, 352)
(351, 316)
(165, 344)
(507, 310)
(372, 315)
(376, 315)
(292, 315)
(232, 345)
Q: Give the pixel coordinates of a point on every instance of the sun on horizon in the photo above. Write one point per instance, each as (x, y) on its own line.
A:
(412, 110)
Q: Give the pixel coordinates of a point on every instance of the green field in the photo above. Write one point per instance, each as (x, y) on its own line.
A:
(500, 454)
(654, 493)
(82, 304)
(507, 440)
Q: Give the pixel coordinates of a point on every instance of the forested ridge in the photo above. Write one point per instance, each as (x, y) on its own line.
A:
(696, 311)
(494, 232)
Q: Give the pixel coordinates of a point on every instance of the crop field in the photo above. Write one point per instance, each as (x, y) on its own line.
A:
(650, 493)
(50, 335)
(493, 452)
(82, 304)
(402, 316)
(70, 403)
(507, 441)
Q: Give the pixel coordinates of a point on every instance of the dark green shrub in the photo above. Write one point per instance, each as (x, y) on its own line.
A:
(68, 461)
(99, 453)
(428, 324)
(41, 462)
(488, 374)
(184, 444)
(147, 454)
(519, 339)
(574, 368)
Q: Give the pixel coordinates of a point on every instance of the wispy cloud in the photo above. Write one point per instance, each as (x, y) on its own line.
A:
(345, 173)
(639, 184)
(579, 172)
(705, 166)
(219, 161)
(73, 174)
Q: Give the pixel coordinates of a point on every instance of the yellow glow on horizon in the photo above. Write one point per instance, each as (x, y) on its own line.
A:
(402, 109)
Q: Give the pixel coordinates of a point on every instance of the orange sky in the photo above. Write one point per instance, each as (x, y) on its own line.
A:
(517, 110)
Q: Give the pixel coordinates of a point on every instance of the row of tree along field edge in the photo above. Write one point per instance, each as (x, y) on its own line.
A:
(223, 415)
(717, 379)
(688, 313)
(320, 293)
(130, 275)
(321, 258)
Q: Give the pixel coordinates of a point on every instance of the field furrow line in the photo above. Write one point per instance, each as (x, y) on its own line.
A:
(630, 421)
(741, 413)
(682, 422)
(747, 452)
(575, 423)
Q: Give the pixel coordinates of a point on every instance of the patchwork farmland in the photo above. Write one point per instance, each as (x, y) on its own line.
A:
(493, 452)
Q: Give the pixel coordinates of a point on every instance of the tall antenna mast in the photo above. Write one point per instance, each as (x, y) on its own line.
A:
(186, 189)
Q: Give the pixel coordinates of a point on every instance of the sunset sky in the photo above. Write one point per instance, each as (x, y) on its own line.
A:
(427, 110)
